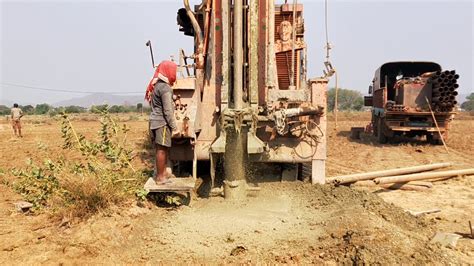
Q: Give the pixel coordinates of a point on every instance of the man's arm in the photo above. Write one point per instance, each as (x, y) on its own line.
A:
(21, 113)
(168, 110)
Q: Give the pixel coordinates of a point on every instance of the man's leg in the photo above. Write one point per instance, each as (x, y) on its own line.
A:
(14, 127)
(19, 129)
(161, 159)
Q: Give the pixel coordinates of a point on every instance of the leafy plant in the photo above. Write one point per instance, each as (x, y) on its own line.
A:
(101, 175)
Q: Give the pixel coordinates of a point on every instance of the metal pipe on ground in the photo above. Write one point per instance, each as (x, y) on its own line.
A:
(422, 176)
(371, 183)
(376, 174)
(405, 187)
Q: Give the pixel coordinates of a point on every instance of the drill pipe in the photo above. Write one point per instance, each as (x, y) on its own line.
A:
(422, 176)
(377, 174)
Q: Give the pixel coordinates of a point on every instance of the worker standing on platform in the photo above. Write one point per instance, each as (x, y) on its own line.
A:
(162, 122)
(16, 115)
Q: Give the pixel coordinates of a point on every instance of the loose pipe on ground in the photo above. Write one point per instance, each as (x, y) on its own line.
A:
(371, 175)
(423, 176)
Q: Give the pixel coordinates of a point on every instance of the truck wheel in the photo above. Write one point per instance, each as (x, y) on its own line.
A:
(381, 138)
(430, 138)
(374, 125)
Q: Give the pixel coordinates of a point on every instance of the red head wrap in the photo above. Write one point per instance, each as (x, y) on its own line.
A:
(165, 71)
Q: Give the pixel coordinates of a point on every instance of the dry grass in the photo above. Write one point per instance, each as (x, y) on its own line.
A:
(87, 197)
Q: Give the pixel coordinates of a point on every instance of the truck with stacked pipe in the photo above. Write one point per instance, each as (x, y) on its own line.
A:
(412, 99)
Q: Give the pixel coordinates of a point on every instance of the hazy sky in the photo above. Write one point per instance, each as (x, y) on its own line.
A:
(100, 46)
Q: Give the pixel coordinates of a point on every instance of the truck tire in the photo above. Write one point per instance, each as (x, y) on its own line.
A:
(381, 138)
(430, 138)
(374, 125)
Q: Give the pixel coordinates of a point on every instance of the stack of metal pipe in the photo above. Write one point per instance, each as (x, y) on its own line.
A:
(391, 106)
(444, 90)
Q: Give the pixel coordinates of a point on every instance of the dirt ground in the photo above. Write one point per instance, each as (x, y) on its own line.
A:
(286, 222)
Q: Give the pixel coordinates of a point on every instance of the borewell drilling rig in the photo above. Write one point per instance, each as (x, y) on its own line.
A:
(247, 98)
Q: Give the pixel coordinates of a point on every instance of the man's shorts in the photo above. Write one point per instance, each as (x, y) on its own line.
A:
(16, 124)
(161, 136)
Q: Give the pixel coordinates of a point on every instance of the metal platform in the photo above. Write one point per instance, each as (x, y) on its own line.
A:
(176, 185)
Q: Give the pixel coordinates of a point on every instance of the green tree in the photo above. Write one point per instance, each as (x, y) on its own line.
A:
(42, 109)
(74, 109)
(4, 110)
(347, 100)
(97, 109)
(469, 104)
(117, 109)
(28, 109)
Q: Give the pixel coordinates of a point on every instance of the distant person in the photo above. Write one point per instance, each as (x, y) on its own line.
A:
(162, 122)
(16, 115)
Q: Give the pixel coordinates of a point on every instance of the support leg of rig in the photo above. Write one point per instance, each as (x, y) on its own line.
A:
(213, 158)
(195, 164)
(318, 171)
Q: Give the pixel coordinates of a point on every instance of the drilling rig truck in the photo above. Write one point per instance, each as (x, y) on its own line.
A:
(246, 97)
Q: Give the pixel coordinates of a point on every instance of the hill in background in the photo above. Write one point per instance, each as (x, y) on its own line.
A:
(102, 98)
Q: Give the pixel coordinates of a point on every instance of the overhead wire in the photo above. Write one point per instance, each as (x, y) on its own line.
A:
(67, 91)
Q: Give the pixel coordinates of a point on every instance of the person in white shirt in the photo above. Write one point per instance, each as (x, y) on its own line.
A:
(16, 115)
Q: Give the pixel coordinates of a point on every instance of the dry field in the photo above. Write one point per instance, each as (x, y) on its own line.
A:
(285, 223)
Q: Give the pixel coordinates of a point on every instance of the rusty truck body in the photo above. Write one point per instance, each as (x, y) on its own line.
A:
(248, 74)
(413, 99)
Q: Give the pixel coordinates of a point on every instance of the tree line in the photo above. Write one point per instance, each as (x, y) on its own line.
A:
(46, 109)
(469, 104)
(348, 100)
